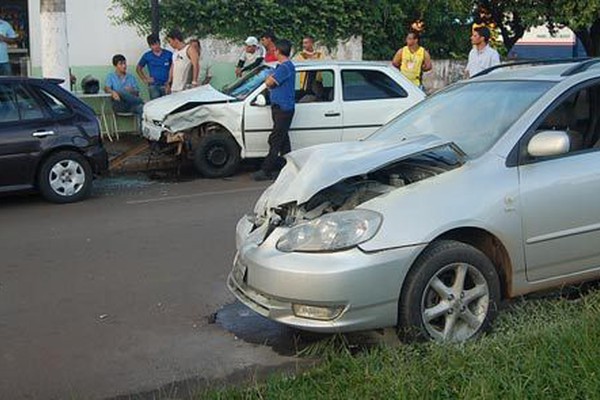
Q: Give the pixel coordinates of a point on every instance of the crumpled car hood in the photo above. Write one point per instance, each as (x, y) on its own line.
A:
(312, 169)
(158, 109)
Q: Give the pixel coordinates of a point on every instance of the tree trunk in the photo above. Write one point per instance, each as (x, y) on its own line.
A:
(55, 54)
(590, 38)
(155, 11)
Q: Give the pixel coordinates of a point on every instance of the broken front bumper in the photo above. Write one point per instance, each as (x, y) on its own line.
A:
(365, 286)
(151, 131)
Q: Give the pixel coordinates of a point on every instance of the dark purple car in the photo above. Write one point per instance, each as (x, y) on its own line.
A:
(49, 140)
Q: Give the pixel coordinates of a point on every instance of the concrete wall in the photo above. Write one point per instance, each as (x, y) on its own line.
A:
(444, 73)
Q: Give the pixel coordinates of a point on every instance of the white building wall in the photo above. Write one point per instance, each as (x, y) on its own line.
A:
(93, 39)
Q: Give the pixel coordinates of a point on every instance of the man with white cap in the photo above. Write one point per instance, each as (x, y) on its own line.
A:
(252, 56)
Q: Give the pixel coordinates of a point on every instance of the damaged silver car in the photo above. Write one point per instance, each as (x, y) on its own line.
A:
(485, 191)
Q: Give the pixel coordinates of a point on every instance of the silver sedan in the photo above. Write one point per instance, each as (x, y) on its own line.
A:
(487, 190)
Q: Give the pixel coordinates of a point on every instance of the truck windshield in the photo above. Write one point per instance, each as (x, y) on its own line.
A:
(244, 86)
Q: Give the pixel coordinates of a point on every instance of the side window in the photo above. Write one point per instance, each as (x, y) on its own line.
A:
(369, 85)
(8, 106)
(28, 108)
(315, 86)
(576, 115)
(58, 108)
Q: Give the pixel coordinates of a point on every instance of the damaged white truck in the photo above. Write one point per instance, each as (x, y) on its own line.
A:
(336, 101)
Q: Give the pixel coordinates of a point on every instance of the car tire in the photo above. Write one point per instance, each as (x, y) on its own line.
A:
(451, 294)
(65, 177)
(217, 155)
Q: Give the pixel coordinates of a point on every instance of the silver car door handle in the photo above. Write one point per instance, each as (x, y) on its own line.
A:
(42, 134)
(332, 114)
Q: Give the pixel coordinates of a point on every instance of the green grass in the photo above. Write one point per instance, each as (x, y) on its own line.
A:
(538, 349)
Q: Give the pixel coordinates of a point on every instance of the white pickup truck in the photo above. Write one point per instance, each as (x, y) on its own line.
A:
(336, 101)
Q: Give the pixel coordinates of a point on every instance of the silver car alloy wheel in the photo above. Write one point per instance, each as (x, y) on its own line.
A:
(67, 177)
(455, 303)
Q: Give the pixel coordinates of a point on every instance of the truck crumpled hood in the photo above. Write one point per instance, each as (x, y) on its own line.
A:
(159, 109)
(315, 168)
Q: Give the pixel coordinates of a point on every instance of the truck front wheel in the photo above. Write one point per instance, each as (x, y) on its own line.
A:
(217, 155)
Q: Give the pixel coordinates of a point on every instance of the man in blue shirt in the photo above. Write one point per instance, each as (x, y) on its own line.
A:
(123, 88)
(281, 86)
(7, 36)
(158, 61)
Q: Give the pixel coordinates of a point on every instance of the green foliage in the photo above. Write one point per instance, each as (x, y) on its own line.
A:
(538, 350)
(582, 16)
(514, 17)
(446, 32)
(383, 24)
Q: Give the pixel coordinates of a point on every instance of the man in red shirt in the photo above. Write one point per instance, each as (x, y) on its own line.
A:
(268, 40)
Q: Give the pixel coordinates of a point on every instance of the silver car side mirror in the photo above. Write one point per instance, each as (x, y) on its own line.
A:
(260, 101)
(549, 143)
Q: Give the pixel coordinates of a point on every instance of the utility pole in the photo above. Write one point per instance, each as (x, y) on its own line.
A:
(55, 49)
(155, 14)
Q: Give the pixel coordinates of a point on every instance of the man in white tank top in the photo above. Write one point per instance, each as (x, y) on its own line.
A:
(185, 59)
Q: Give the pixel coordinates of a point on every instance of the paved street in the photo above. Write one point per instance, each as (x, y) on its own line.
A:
(114, 295)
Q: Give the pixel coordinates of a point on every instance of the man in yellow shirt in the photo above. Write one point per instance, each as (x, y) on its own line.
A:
(413, 60)
(308, 53)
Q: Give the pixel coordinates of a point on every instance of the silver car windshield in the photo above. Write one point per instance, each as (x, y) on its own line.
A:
(474, 115)
(243, 87)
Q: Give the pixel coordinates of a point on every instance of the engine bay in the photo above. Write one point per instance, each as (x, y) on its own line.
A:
(351, 192)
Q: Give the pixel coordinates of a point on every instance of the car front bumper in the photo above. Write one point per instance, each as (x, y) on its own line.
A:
(366, 285)
(152, 131)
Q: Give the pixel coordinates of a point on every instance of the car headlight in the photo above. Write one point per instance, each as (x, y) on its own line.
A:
(332, 232)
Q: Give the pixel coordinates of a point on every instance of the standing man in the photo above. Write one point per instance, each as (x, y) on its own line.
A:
(413, 60)
(309, 53)
(205, 75)
(7, 36)
(282, 94)
(268, 40)
(482, 55)
(251, 57)
(158, 61)
(123, 88)
(185, 59)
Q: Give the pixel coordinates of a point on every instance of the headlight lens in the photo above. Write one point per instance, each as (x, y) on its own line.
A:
(332, 232)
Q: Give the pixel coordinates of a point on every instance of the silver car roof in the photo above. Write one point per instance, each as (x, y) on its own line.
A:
(556, 71)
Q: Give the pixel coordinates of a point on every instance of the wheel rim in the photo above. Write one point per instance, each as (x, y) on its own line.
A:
(217, 156)
(455, 303)
(67, 178)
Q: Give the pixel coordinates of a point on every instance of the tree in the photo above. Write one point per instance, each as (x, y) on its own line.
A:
(445, 27)
(382, 23)
(514, 17)
(582, 16)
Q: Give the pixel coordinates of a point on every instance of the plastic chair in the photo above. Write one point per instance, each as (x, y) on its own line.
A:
(124, 115)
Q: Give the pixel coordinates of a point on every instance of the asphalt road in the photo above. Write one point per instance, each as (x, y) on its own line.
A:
(114, 295)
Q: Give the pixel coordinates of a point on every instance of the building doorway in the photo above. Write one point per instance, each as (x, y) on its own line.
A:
(16, 13)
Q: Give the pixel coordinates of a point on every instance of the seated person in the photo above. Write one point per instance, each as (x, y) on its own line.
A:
(123, 88)
(316, 94)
